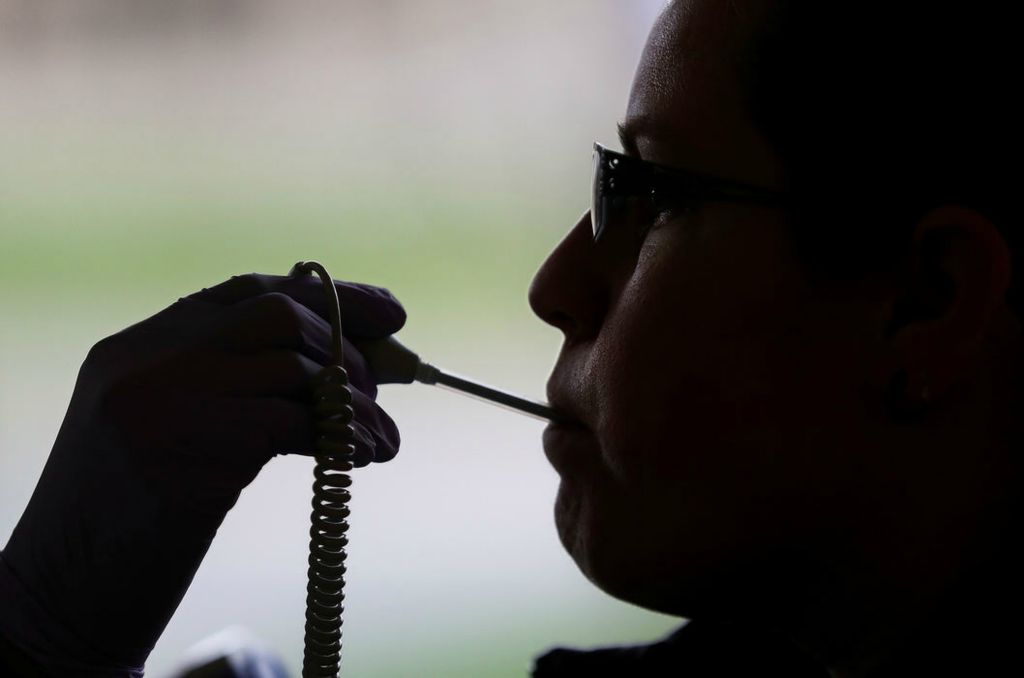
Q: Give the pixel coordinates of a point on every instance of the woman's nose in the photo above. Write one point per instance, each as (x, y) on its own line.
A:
(569, 292)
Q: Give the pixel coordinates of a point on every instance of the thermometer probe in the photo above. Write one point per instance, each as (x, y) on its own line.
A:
(393, 363)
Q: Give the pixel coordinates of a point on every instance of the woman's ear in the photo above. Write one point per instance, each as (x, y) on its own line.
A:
(954, 292)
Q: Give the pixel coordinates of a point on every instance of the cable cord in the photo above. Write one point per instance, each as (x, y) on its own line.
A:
(332, 408)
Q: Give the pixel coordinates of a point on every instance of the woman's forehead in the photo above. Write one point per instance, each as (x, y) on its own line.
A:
(687, 102)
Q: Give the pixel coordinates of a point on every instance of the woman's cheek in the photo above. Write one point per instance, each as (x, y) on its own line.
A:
(646, 409)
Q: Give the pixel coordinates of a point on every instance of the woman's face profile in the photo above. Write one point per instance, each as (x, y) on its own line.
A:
(718, 388)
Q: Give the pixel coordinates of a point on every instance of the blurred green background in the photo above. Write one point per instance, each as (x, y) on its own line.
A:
(149, 148)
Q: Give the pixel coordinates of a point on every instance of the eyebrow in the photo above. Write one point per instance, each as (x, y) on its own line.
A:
(627, 137)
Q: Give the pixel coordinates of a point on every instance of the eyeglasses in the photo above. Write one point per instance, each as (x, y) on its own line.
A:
(618, 177)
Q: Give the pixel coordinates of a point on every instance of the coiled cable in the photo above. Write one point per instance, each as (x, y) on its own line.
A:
(332, 408)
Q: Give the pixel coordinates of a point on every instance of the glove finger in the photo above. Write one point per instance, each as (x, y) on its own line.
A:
(245, 433)
(279, 373)
(380, 426)
(359, 374)
(276, 320)
(284, 374)
(367, 311)
(329, 430)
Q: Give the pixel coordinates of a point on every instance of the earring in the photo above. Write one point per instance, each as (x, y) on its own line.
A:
(897, 400)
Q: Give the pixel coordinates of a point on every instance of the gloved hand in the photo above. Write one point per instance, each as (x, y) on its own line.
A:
(169, 420)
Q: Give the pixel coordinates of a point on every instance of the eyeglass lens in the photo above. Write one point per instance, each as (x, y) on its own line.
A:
(597, 207)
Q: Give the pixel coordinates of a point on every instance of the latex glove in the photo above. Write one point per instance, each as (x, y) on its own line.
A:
(169, 420)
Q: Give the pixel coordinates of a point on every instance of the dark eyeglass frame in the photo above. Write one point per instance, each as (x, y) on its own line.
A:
(618, 176)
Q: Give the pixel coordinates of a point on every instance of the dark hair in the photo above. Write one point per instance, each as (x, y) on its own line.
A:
(882, 111)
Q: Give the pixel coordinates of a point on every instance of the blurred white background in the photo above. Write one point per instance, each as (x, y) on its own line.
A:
(149, 148)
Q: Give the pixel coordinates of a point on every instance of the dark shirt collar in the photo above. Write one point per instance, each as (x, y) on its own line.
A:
(695, 650)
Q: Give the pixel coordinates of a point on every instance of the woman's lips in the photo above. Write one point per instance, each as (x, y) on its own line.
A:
(568, 445)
